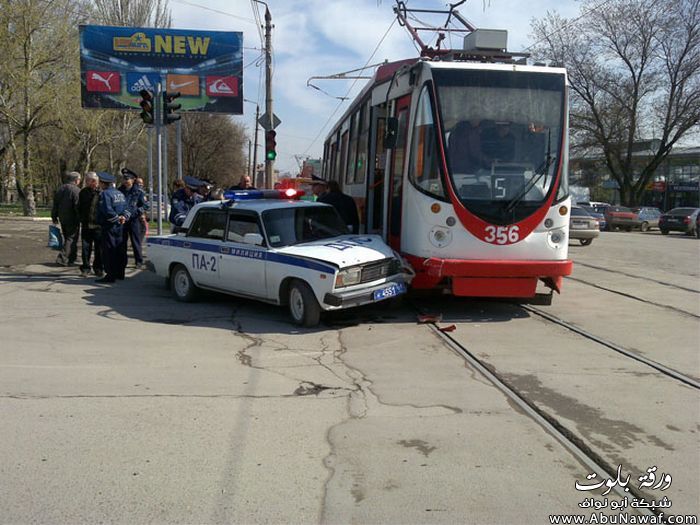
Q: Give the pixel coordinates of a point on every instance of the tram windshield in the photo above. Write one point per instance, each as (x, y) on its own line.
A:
(503, 132)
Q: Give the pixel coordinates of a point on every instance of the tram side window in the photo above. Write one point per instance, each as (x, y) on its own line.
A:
(352, 150)
(423, 171)
(363, 145)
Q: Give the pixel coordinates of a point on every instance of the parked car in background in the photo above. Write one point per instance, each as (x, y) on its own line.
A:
(583, 226)
(621, 217)
(679, 220)
(648, 218)
(590, 210)
(697, 226)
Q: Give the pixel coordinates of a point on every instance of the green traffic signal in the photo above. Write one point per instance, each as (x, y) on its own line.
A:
(271, 145)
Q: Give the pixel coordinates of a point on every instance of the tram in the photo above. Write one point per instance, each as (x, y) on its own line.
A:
(459, 160)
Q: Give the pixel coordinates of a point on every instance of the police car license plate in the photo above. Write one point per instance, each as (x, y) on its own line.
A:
(390, 291)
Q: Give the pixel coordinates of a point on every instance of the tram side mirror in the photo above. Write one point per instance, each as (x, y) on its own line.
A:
(392, 131)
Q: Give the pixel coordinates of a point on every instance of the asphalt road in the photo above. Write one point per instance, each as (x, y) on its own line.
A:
(121, 405)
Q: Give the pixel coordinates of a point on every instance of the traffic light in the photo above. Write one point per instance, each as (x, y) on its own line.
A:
(146, 104)
(270, 145)
(169, 108)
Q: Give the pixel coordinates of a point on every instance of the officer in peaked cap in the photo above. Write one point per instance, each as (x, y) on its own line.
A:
(136, 205)
(183, 200)
(112, 213)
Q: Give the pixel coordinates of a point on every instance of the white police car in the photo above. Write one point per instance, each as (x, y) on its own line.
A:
(287, 252)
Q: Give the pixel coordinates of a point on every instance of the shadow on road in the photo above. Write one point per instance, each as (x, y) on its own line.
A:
(143, 296)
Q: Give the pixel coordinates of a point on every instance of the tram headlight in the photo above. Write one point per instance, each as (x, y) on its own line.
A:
(556, 236)
(348, 277)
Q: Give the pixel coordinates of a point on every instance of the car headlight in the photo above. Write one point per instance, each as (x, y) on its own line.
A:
(348, 277)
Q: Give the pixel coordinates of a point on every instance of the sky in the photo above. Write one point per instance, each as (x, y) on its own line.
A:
(325, 37)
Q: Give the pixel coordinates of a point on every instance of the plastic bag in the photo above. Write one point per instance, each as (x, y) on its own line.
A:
(55, 237)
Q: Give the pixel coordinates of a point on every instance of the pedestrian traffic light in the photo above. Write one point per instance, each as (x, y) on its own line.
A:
(146, 104)
(169, 107)
(270, 145)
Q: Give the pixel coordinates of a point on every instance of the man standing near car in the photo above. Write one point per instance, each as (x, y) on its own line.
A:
(65, 210)
(344, 203)
(89, 229)
(136, 204)
(112, 213)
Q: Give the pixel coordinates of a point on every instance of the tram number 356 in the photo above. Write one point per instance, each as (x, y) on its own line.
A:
(502, 234)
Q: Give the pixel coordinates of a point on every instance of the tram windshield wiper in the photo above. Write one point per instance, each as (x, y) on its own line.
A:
(541, 171)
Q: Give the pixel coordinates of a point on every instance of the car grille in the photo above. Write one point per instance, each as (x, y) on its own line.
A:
(379, 270)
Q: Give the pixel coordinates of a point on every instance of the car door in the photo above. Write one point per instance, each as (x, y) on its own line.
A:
(203, 244)
(243, 265)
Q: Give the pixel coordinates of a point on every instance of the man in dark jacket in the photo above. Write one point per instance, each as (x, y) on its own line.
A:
(89, 228)
(345, 205)
(112, 213)
(136, 205)
(65, 210)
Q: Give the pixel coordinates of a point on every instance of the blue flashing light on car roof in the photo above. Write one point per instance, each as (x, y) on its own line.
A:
(245, 195)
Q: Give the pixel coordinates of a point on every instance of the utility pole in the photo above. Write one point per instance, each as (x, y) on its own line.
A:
(254, 177)
(269, 163)
(250, 147)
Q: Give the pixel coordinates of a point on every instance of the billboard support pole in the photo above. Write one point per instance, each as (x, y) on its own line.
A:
(159, 154)
(166, 137)
(179, 148)
(150, 170)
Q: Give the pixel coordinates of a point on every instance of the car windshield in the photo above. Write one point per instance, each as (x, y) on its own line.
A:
(503, 133)
(289, 226)
(579, 212)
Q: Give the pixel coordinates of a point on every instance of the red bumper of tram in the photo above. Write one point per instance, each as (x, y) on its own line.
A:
(486, 278)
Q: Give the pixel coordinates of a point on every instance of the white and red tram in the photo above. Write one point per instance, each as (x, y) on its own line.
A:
(462, 167)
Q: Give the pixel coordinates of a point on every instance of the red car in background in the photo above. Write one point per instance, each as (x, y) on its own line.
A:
(621, 217)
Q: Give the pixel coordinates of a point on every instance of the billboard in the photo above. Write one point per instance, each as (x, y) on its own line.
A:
(206, 67)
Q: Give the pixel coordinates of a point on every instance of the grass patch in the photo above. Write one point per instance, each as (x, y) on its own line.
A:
(17, 210)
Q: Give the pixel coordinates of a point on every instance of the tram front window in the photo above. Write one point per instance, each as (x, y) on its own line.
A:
(503, 132)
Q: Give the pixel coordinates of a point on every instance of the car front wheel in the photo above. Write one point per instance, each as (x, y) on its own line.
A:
(644, 227)
(303, 306)
(585, 242)
(182, 285)
(664, 232)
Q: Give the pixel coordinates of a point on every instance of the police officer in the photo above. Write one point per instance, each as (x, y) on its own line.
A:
(112, 213)
(344, 203)
(136, 205)
(183, 200)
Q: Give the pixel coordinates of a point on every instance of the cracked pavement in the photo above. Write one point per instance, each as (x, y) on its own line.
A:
(121, 405)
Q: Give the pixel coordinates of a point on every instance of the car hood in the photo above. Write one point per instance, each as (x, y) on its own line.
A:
(343, 251)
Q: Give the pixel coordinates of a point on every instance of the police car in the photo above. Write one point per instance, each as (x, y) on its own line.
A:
(262, 245)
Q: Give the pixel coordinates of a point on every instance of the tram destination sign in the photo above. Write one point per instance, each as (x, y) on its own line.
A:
(206, 67)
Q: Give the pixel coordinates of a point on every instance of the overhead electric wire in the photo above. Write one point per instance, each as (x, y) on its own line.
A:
(193, 4)
(350, 89)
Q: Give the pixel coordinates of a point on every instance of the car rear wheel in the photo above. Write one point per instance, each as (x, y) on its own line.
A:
(664, 232)
(182, 285)
(303, 306)
(644, 227)
(585, 242)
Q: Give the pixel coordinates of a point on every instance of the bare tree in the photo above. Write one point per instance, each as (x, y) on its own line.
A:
(634, 70)
(213, 148)
(134, 13)
(38, 39)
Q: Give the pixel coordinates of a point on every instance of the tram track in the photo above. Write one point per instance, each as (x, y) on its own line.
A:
(649, 279)
(669, 372)
(634, 297)
(566, 437)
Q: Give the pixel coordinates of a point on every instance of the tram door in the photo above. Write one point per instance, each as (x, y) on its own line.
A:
(398, 157)
(375, 180)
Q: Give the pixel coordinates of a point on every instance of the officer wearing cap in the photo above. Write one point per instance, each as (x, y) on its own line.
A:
(136, 205)
(183, 200)
(112, 213)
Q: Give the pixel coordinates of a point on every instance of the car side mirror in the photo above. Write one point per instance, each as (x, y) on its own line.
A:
(253, 238)
(392, 130)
